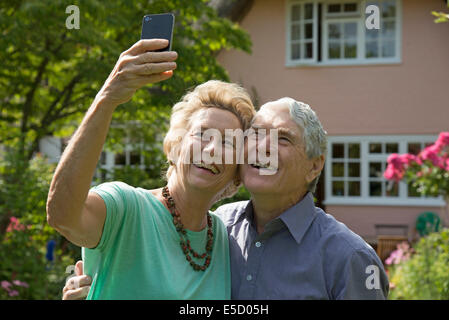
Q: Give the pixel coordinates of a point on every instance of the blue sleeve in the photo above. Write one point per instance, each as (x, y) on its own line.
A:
(118, 198)
(362, 277)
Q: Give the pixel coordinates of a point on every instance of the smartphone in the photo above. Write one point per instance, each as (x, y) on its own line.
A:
(158, 26)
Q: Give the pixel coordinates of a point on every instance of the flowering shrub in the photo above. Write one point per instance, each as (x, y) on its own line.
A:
(33, 257)
(420, 273)
(428, 171)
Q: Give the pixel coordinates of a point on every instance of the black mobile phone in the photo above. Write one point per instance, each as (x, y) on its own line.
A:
(158, 26)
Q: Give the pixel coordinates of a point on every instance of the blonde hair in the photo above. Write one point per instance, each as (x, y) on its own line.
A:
(211, 94)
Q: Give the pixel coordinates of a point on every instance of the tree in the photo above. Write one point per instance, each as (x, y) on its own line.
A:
(50, 74)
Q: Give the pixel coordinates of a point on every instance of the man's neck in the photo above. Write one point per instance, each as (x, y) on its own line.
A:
(269, 207)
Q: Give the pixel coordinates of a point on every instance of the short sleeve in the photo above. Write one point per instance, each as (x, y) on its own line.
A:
(119, 200)
(362, 278)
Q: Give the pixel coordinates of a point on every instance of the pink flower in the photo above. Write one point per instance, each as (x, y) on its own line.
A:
(21, 283)
(393, 174)
(442, 141)
(430, 153)
(14, 224)
(5, 285)
(395, 161)
(407, 158)
(13, 293)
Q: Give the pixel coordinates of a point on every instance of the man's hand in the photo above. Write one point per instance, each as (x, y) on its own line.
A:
(137, 67)
(77, 287)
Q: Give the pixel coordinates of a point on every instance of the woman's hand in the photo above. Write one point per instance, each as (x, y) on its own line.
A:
(137, 67)
(77, 287)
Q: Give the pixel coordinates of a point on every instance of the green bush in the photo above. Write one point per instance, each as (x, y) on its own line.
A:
(25, 272)
(425, 275)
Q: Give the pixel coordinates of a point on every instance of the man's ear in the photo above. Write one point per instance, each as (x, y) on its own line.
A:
(317, 165)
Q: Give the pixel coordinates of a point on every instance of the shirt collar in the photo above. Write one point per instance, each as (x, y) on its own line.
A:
(297, 218)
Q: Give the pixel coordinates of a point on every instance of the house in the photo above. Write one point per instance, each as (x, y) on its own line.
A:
(376, 92)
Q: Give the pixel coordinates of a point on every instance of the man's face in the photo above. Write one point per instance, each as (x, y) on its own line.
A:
(294, 168)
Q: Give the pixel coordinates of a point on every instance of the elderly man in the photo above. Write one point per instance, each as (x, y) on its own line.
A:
(281, 245)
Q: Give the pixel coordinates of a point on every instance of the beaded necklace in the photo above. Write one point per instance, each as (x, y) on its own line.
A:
(185, 242)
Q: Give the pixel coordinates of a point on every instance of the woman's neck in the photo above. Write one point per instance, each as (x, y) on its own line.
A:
(191, 203)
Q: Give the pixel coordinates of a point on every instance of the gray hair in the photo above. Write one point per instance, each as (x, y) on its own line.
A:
(314, 136)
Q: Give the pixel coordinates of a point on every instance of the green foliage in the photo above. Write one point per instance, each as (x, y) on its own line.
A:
(23, 192)
(49, 77)
(425, 275)
(50, 74)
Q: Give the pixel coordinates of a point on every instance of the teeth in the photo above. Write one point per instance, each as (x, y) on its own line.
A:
(261, 165)
(208, 166)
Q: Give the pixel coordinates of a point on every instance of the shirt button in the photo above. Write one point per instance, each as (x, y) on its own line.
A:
(258, 244)
(249, 277)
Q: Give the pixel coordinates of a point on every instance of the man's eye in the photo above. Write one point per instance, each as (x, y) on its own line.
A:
(284, 139)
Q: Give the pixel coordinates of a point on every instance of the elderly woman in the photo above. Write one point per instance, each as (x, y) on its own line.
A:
(162, 243)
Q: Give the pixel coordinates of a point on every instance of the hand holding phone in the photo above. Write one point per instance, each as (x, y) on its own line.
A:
(158, 26)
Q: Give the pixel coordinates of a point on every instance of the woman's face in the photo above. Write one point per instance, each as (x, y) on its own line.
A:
(202, 163)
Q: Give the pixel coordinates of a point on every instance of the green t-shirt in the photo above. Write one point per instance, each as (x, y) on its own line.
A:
(139, 255)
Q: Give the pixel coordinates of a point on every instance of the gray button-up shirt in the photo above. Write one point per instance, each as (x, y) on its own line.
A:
(303, 254)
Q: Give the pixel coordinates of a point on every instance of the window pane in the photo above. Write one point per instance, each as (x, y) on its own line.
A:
(334, 50)
(354, 188)
(338, 150)
(334, 31)
(350, 50)
(371, 34)
(296, 53)
(375, 169)
(371, 49)
(103, 158)
(414, 148)
(354, 150)
(388, 9)
(309, 30)
(338, 169)
(391, 189)
(333, 8)
(388, 29)
(350, 30)
(392, 148)
(296, 13)
(120, 158)
(338, 188)
(134, 157)
(375, 148)
(375, 189)
(350, 7)
(309, 11)
(309, 50)
(413, 192)
(296, 32)
(354, 169)
(388, 49)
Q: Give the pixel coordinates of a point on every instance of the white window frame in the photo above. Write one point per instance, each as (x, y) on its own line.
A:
(365, 158)
(360, 60)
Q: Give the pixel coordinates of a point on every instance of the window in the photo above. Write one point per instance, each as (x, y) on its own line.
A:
(355, 167)
(331, 32)
(132, 154)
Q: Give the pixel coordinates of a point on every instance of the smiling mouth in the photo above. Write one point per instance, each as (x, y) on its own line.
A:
(213, 169)
(265, 166)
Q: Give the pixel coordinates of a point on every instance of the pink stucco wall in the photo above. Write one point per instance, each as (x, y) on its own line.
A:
(405, 98)
(362, 219)
(410, 97)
